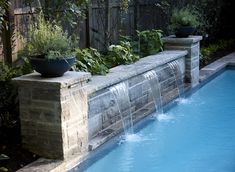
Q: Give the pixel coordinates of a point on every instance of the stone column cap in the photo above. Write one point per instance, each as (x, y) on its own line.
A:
(172, 39)
(68, 79)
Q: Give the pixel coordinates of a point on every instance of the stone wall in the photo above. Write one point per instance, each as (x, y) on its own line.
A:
(53, 114)
(68, 115)
(192, 45)
(104, 119)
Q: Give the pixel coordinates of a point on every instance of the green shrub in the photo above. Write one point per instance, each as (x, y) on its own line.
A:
(134, 42)
(206, 52)
(9, 112)
(48, 40)
(183, 17)
(210, 14)
(120, 54)
(90, 60)
(150, 42)
(8, 95)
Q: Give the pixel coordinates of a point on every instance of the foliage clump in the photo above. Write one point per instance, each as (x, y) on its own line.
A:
(90, 60)
(150, 42)
(207, 52)
(48, 40)
(120, 54)
(9, 112)
(184, 17)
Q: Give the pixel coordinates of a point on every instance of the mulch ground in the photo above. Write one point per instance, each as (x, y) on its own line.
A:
(12, 155)
(215, 56)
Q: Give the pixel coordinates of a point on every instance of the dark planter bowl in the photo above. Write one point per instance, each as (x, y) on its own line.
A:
(52, 67)
(184, 31)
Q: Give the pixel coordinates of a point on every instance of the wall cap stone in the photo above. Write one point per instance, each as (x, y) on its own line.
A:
(69, 78)
(209, 70)
(181, 41)
(123, 72)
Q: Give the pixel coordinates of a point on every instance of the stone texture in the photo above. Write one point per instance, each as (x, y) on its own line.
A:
(53, 114)
(103, 110)
(124, 72)
(182, 41)
(192, 45)
(211, 69)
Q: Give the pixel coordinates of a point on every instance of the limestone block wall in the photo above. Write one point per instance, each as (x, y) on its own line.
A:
(53, 114)
(192, 45)
(103, 114)
(68, 115)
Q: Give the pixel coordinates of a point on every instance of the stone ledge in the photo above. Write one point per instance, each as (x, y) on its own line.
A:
(68, 79)
(216, 66)
(43, 165)
(173, 40)
(123, 72)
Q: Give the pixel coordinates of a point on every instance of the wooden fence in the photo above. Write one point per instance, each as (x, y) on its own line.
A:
(100, 28)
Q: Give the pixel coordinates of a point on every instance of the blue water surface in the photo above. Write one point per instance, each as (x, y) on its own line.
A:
(197, 135)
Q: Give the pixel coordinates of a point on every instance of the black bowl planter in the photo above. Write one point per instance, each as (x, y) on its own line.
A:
(51, 67)
(184, 31)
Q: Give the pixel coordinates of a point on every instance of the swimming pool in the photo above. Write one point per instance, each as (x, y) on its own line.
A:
(195, 135)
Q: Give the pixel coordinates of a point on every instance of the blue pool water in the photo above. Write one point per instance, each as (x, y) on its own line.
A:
(197, 135)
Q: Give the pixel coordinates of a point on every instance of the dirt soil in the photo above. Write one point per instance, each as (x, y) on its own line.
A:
(215, 56)
(12, 155)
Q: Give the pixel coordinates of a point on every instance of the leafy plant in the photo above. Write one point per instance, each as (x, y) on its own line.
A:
(90, 60)
(124, 4)
(9, 112)
(183, 17)
(8, 94)
(134, 42)
(207, 52)
(120, 54)
(209, 12)
(3, 6)
(150, 41)
(61, 11)
(48, 40)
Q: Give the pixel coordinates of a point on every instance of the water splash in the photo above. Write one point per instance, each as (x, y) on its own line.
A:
(131, 138)
(163, 117)
(183, 101)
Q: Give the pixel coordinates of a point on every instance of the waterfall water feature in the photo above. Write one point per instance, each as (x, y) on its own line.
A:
(121, 96)
(175, 68)
(155, 87)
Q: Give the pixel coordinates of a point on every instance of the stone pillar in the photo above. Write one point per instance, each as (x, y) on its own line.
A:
(192, 45)
(53, 114)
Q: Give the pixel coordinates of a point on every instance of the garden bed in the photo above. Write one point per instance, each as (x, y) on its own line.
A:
(10, 145)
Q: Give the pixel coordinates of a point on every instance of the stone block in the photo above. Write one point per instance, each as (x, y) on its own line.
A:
(94, 125)
(100, 103)
(192, 45)
(145, 87)
(45, 94)
(194, 50)
(135, 92)
(24, 93)
(47, 105)
(135, 80)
